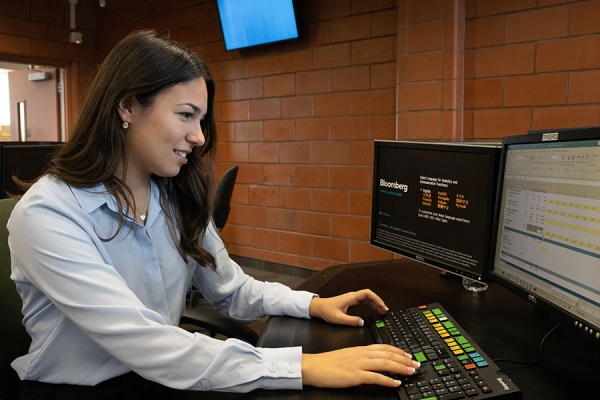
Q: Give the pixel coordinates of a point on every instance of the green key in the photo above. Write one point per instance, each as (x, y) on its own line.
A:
(429, 398)
(439, 367)
(420, 357)
(462, 357)
(380, 324)
(437, 311)
(448, 325)
(461, 340)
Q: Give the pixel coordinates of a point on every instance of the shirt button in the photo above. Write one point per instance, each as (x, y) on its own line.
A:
(291, 369)
(273, 368)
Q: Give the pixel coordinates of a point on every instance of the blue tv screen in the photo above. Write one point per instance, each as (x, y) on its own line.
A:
(249, 23)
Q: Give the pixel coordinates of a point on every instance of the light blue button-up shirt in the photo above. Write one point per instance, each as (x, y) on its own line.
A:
(97, 309)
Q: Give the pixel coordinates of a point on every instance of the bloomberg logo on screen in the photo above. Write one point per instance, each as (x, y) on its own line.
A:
(393, 185)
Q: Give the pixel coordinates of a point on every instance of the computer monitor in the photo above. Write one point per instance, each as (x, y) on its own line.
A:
(25, 160)
(548, 224)
(434, 202)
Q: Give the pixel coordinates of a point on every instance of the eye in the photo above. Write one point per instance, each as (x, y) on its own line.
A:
(186, 115)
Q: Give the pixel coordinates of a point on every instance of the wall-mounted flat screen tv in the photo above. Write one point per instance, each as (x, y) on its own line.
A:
(248, 23)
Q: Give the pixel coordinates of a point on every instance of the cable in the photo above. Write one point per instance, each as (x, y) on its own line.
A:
(541, 351)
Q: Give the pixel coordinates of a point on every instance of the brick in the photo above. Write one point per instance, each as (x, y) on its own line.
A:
(425, 66)
(311, 176)
(313, 223)
(350, 78)
(247, 131)
(296, 198)
(350, 128)
(583, 87)
(247, 89)
(425, 37)
(237, 234)
(331, 201)
(424, 10)
(45, 48)
(265, 65)
(351, 28)
(278, 130)
(350, 227)
(250, 173)
(332, 249)
(361, 153)
(328, 10)
(233, 152)
(351, 177)
(584, 18)
(266, 239)
(383, 76)
(547, 89)
(424, 125)
(488, 7)
(363, 252)
(312, 129)
(373, 102)
(263, 196)
(384, 23)
(51, 15)
(295, 152)
(483, 93)
(372, 51)
(452, 125)
(6, 25)
(278, 174)
(484, 32)
(578, 53)
(296, 243)
(360, 203)
(247, 215)
(319, 33)
(330, 153)
(361, 6)
(495, 124)
(334, 104)
(297, 107)
(294, 61)
(383, 127)
(264, 109)
(276, 218)
(263, 152)
(540, 24)
(234, 69)
(452, 94)
(15, 45)
(225, 131)
(278, 85)
(425, 96)
(505, 60)
(18, 9)
(566, 116)
(235, 111)
(312, 82)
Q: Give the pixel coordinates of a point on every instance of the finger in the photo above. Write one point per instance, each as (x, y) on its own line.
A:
(375, 301)
(374, 378)
(345, 319)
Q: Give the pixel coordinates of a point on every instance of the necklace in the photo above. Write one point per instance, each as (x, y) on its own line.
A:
(144, 215)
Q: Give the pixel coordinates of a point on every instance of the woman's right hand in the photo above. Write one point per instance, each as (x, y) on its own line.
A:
(355, 366)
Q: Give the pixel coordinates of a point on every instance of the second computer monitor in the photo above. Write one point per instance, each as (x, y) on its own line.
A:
(433, 202)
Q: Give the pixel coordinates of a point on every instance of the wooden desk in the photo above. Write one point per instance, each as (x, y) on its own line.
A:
(503, 325)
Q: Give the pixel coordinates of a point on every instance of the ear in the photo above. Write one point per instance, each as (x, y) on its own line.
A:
(125, 108)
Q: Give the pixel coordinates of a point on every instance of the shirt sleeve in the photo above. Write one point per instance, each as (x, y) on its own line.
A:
(232, 292)
(54, 247)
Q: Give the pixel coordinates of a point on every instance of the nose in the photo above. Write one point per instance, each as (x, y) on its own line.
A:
(196, 138)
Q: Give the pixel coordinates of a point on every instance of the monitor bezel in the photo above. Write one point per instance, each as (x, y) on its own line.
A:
(296, 10)
(561, 135)
(491, 149)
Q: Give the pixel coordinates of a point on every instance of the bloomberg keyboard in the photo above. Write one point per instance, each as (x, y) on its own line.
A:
(452, 365)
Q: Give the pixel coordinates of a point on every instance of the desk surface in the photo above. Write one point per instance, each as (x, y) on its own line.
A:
(503, 325)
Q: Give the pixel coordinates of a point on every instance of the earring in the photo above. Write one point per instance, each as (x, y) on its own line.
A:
(125, 125)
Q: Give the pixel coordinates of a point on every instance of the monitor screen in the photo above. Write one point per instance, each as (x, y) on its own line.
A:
(26, 161)
(548, 233)
(251, 23)
(433, 202)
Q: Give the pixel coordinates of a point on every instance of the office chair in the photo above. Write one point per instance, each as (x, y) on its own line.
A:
(13, 336)
(222, 198)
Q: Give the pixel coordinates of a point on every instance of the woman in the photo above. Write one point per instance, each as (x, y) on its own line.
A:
(105, 245)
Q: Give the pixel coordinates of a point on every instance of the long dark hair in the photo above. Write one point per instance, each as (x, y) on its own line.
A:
(143, 64)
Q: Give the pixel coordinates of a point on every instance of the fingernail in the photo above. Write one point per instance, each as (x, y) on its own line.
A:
(416, 364)
(408, 355)
(361, 323)
(398, 383)
(410, 370)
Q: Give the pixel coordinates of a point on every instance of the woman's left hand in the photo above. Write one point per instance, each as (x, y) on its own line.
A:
(334, 309)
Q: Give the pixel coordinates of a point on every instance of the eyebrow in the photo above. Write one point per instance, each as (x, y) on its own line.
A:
(194, 107)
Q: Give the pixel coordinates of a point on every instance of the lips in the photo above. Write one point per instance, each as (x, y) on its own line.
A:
(181, 153)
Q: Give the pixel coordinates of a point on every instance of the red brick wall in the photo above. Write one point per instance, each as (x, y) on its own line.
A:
(299, 118)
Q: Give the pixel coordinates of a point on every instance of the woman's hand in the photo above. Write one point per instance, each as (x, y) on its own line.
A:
(334, 309)
(355, 366)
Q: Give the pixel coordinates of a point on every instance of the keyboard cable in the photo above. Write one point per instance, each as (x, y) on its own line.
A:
(541, 351)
